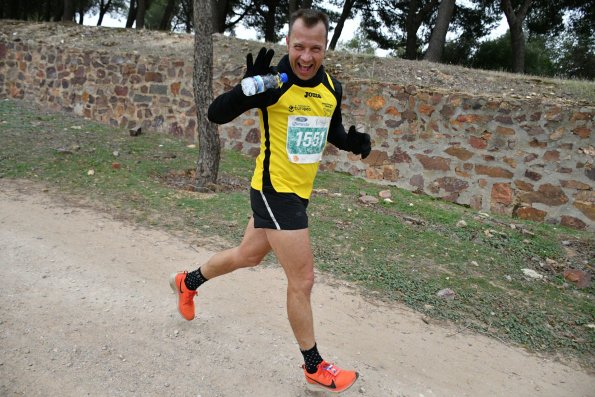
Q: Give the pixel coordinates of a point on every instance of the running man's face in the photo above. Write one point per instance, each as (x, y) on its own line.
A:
(306, 48)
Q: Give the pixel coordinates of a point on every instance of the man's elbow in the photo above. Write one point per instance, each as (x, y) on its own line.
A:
(214, 117)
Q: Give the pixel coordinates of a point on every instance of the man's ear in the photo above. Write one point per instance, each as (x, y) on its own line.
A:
(287, 41)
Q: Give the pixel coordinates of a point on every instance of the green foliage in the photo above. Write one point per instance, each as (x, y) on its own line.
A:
(392, 24)
(497, 55)
(155, 13)
(494, 54)
(576, 57)
(358, 44)
(539, 57)
(51, 10)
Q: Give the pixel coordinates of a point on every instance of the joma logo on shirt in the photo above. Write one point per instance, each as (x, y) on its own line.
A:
(312, 95)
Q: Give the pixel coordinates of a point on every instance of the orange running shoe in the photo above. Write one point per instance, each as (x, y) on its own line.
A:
(185, 296)
(328, 377)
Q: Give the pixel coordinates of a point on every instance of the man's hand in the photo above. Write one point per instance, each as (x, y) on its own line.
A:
(358, 142)
(262, 65)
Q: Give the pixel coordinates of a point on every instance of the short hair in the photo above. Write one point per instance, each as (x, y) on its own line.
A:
(310, 17)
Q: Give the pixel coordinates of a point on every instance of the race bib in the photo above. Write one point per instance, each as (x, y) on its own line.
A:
(306, 137)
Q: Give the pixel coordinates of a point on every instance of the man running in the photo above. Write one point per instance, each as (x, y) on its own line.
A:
(296, 121)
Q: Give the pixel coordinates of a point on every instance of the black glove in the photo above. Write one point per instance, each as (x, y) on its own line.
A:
(358, 142)
(262, 65)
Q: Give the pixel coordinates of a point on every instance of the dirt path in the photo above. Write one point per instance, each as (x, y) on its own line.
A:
(85, 309)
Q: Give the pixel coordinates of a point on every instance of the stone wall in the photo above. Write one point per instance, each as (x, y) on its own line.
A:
(525, 158)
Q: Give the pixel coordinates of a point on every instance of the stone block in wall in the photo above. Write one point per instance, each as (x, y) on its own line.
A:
(374, 173)
(512, 163)
(557, 134)
(524, 186)
(426, 109)
(138, 98)
(433, 163)
(581, 116)
(478, 143)
(158, 89)
(450, 184)
(576, 185)
(461, 173)
(494, 172)
(529, 214)
(547, 194)
(572, 222)
(553, 114)
(459, 152)
(253, 135)
(400, 156)
(502, 193)
(175, 88)
(153, 77)
(537, 144)
(376, 158)
(505, 131)
(390, 173)
(534, 130)
(551, 155)
(417, 181)
(476, 202)
(376, 102)
(582, 132)
(584, 201)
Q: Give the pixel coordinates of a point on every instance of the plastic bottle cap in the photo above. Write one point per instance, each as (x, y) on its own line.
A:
(283, 77)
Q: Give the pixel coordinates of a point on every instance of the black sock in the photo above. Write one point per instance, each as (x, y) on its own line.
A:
(311, 359)
(194, 279)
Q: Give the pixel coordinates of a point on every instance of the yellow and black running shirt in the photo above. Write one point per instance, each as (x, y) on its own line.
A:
(296, 121)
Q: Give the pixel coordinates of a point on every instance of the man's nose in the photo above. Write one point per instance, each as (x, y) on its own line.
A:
(306, 56)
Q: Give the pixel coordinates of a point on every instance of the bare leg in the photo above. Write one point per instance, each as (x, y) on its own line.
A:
(293, 250)
(250, 252)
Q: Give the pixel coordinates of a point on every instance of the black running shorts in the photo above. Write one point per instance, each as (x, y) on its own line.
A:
(281, 211)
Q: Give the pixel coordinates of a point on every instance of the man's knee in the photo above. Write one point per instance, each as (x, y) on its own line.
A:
(302, 283)
(248, 258)
(253, 260)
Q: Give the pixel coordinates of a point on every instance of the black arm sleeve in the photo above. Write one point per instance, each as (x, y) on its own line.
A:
(230, 105)
(336, 134)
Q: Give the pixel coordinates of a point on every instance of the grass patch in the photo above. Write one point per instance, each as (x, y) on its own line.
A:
(403, 251)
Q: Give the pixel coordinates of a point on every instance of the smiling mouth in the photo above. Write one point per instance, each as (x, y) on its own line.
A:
(305, 69)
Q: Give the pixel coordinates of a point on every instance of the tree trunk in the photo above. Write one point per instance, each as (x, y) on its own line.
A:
(168, 14)
(517, 37)
(207, 165)
(294, 5)
(131, 14)
(414, 20)
(140, 14)
(517, 41)
(411, 28)
(347, 7)
(270, 31)
(81, 13)
(438, 37)
(219, 9)
(68, 13)
(47, 13)
(103, 9)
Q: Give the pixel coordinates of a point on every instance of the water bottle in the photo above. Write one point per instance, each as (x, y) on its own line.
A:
(258, 84)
